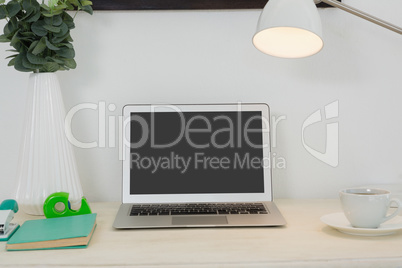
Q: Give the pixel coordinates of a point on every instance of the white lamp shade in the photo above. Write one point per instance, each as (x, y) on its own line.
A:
(289, 29)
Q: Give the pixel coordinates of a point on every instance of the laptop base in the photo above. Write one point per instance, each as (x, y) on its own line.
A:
(125, 221)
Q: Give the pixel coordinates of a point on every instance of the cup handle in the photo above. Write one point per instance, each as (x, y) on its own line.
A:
(396, 212)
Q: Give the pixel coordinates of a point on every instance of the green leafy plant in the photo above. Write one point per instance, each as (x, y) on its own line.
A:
(40, 33)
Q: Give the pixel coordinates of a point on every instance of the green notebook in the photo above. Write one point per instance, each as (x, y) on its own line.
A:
(63, 232)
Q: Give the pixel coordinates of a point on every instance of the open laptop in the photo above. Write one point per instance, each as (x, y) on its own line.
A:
(197, 166)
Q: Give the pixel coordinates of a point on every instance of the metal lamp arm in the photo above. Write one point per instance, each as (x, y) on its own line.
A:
(363, 15)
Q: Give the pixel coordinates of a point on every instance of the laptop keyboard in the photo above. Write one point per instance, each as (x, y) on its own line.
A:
(197, 209)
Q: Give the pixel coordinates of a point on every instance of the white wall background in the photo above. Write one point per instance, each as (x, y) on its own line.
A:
(207, 56)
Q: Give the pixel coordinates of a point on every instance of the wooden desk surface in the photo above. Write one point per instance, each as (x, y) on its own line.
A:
(304, 242)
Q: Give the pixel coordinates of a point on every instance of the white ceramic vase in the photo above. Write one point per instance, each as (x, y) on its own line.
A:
(47, 163)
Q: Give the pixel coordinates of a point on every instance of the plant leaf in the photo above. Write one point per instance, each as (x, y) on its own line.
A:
(52, 29)
(74, 2)
(50, 45)
(18, 46)
(86, 3)
(37, 28)
(52, 3)
(10, 27)
(4, 39)
(57, 20)
(69, 6)
(15, 39)
(88, 9)
(11, 62)
(51, 14)
(3, 12)
(26, 4)
(13, 8)
(56, 40)
(28, 12)
(54, 21)
(69, 38)
(70, 63)
(45, 7)
(64, 38)
(40, 46)
(50, 59)
(18, 63)
(51, 67)
(28, 34)
(34, 17)
(66, 52)
(63, 30)
(28, 65)
(32, 46)
(65, 45)
(35, 59)
(12, 56)
(60, 7)
(68, 20)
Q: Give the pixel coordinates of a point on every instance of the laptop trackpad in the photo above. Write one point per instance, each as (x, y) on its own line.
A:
(204, 220)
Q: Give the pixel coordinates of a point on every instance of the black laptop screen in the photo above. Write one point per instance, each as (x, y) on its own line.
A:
(196, 153)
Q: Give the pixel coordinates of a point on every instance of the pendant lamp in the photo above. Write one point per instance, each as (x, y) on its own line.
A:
(289, 29)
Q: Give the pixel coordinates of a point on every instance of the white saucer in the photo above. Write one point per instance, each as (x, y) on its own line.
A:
(339, 222)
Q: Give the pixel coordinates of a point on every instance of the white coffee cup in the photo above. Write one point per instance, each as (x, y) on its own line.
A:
(367, 208)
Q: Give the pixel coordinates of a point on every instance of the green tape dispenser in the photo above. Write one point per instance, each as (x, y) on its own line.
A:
(53, 206)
